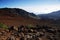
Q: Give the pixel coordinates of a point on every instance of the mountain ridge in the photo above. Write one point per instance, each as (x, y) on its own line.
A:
(53, 15)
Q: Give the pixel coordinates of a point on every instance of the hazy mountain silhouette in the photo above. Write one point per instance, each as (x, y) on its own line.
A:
(54, 15)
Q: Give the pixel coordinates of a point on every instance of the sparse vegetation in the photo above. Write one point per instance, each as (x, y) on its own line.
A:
(3, 26)
(30, 26)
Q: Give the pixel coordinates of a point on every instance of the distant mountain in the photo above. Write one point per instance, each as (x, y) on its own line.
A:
(16, 12)
(54, 15)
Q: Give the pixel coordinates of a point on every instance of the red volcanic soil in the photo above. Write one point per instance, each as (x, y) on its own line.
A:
(18, 20)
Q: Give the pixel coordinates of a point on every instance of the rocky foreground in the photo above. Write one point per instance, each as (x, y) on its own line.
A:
(30, 33)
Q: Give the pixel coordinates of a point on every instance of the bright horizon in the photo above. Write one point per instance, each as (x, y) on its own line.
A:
(35, 6)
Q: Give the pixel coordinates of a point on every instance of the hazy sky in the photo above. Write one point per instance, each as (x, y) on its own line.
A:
(35, 6)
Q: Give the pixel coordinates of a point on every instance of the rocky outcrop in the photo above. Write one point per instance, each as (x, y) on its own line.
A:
(34, 33)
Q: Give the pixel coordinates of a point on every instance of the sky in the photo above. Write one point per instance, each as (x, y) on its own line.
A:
(35, 6)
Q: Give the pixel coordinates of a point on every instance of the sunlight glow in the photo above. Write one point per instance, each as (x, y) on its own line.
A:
(42, 9)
